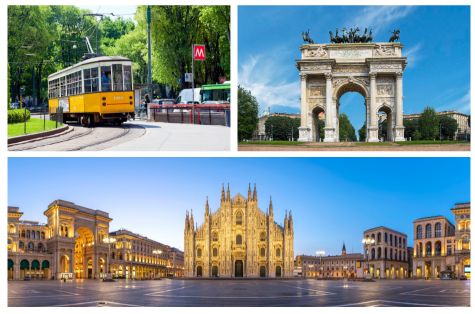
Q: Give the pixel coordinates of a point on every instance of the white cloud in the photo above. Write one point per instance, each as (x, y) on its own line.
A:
(378, 17)
(268, 81)
(413, 54)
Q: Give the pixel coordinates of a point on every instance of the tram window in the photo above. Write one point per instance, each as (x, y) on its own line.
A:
(118, 79)
(106, 79)
(91, 80)
(127, 77)
(63, 86)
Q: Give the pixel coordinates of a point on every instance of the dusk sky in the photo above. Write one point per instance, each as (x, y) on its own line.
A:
(333, 200)
(436, 42)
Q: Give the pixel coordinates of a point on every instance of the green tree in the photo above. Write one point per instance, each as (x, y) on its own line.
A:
(429, 124)
(281, 128)
(362, 133)
(248, 110)
(411, 129)
(347, 131)
(321, 129)
(111, 30)
(448, 127)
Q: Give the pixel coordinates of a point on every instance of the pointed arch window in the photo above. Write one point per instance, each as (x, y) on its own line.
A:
(239, 218)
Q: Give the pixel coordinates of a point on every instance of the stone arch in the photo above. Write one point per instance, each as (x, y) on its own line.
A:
(84, 241)
(214, 271)
(385, 116)
(278, 271)
(262, 271)
(316, 113)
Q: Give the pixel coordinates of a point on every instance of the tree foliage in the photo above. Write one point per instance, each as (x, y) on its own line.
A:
(346, 129)
(429, 124)
(362, 133)
(281, 128)
(448, 127)
(248, 110)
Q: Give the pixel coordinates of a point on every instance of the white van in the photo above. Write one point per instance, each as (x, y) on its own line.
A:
(186, 96)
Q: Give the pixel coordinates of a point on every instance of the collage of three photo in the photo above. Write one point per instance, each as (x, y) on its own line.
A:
(232, 155)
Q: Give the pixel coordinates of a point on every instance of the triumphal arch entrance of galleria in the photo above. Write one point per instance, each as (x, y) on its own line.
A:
(327, 71)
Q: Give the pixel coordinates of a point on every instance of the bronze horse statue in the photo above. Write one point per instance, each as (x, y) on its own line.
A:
(306, 37)
(395, 36)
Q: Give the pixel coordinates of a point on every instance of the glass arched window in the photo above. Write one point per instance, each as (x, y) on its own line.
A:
(40, 247)
(23, 233)
(438, 230)
(215, 236)
(239, 218)
(198, 252)
(428, 231)
(385, 237)
(391, 240)
(419, 232)
(27, 234)
(238, 239)
(31, 246)
(21, 245)
(263, 251)
(379, 237)
(428, 249)
(215, 252)
(277, 252)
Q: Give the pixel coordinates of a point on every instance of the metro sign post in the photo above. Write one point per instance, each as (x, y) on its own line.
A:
(198, 54)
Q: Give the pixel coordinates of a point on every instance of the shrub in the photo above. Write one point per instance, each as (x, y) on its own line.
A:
(18, 115)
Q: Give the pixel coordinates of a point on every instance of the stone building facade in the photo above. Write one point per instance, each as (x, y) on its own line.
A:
(440, 246)
(73, 244)
(387, 257)
(463, 122)
(434, 246)
(331, 266)
(239, 240)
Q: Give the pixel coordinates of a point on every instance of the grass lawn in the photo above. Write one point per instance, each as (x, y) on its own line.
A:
(271, 143)
(34, 125)
(425, 142)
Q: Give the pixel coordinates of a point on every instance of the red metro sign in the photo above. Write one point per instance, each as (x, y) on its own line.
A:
(199, 52)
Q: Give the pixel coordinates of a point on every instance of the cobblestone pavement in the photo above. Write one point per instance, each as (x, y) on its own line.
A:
(298, 292)
(354, 147)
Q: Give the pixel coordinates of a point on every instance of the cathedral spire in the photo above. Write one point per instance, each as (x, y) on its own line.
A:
(343, 249)
(249, 192)
(207, 207)
(254, 195)
(271, 208)
(222, 193)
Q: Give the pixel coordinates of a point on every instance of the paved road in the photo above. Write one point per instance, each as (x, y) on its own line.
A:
(134, 136)
(239, 293)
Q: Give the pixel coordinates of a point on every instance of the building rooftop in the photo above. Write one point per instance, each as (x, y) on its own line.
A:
(386, 228)
(83, 209)
(132, 234)
(431, 217)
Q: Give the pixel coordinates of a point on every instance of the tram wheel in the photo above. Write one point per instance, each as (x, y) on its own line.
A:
(90, 120)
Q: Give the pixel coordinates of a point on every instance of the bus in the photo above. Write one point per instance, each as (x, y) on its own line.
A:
(98, 89)
(216, 93)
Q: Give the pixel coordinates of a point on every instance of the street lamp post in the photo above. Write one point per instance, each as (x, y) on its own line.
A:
(367, 242)
(320, 254)
(157, 252)
(109, 241)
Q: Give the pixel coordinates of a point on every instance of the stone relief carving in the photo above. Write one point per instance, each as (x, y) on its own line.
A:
(316, 91)
(315, 67)
(384, 51)
(385, 90)
(320, 52)
(385, 101)
(385, 80)
(386, 66)
(341, 81)
(351, 53)
(351, 69)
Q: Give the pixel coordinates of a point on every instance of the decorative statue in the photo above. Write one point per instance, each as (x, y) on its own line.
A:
(395, 36)
(306, 37)
(351, 36)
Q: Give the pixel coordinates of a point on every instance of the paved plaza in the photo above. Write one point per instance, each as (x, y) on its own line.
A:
(302, 292)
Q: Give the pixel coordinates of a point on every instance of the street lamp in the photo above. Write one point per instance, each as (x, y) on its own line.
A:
(109, 241)
(320, 254)
(367, 242)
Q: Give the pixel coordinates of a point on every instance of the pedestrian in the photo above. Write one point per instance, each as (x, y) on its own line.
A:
(146, 102)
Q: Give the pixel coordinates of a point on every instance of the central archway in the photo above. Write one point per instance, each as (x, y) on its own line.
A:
(83, 253)
(238, 269)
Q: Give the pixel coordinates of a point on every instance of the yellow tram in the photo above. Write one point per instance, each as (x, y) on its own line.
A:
(95, 90)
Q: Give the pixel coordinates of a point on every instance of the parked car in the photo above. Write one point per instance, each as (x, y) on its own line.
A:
(463, 277)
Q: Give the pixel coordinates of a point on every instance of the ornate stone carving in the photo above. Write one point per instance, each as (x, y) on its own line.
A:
(384, 51)
(351, 53)
(385, 90)
(351, 79)
(351, 69)
(386, 66)
(316, 91)
(319, 52)
(322, 67)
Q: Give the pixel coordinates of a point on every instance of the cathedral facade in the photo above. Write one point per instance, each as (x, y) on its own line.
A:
(239, 240)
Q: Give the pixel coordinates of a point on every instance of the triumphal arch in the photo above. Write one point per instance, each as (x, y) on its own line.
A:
(327, 71)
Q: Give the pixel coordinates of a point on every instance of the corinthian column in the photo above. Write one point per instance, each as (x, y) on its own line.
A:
(399, 129)
(372, 126)
(330, 111)
(304, 134)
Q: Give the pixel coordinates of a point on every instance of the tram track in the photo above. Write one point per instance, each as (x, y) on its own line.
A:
(96, 138)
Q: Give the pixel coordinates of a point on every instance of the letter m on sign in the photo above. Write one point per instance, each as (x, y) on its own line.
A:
(199, 52)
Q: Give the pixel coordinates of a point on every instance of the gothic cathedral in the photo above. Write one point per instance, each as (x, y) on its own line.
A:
(239, 240)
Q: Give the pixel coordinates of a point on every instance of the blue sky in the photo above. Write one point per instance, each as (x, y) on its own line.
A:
(333, 200)
(436, 42)
(125, 11)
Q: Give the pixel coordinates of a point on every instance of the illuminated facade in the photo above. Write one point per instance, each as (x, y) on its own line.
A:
(387, 257)
(331, 266)
(461, 213)
(75, 243)
(239, 240)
